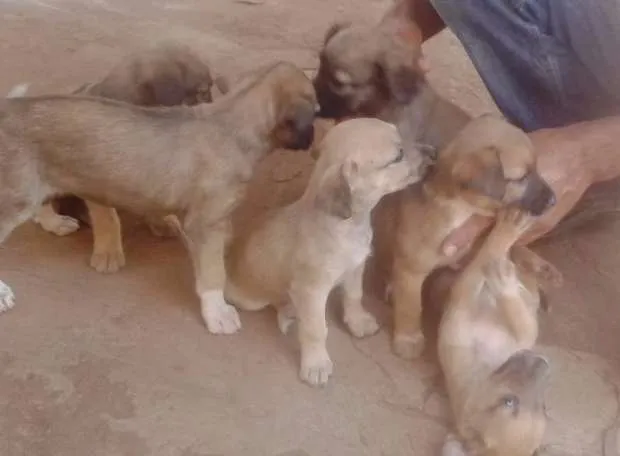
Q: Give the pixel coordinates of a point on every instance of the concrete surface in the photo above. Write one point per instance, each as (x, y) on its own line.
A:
(122, 364)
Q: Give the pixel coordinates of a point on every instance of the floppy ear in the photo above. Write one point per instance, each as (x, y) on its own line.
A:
(399, 75)
(488, 180)
(334, 196)
(163, 91)
(523, 368)
(335, 28)
(222, 84)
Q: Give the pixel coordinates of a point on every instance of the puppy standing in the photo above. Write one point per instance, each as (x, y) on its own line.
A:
(294, 258)
(166, 74)
(495, 381)
(193, 162)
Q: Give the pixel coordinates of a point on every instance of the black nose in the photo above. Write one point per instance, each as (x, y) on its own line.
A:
(331, 106)
(304, 138)
(538, 196)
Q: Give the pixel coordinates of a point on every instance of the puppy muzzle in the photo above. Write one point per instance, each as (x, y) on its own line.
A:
(538, 196)
(304, 139)
(332, 106)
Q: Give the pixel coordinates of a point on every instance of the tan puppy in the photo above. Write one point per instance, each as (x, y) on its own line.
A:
(166, 74)
(489, 165)
(380, 72)
(294, 257)
(495, 381)
(192, 162)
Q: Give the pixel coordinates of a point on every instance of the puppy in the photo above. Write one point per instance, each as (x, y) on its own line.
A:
(192, 162)
(490, 164)
(166, 74)
(495, 380)
(380, 72)
(294, 257)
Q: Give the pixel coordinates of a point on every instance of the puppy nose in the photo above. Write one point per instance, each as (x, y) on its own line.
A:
(552, 200)
(426, 164)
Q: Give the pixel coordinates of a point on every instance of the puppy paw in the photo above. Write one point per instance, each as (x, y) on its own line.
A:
(316, 368)
(286, 318)
(164, 228)
(220, 317)
(361, 324)
(512, 222)
(452, 447)
(107, 262)
(7, 298)
(60, 225)
(408, 347)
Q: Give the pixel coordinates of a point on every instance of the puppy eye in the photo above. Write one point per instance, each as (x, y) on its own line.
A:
(510, 401)
(399, 157)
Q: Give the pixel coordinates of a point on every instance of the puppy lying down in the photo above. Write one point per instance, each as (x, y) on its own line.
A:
(495, 380)
(296, 255)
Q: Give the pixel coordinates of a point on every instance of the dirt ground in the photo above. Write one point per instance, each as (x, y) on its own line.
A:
(123, 365)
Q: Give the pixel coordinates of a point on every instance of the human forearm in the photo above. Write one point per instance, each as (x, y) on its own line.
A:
(425, 16)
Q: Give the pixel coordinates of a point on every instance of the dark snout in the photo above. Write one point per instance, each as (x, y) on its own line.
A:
(332, 106)
(538, 196)
(303, 129)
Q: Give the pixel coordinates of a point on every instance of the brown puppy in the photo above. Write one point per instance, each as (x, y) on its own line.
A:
(294, 257)
(166, 74)
(489, 165)
(192, 162)
(379, 72)
(495, 381)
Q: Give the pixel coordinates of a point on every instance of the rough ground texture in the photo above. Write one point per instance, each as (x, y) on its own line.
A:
(122, 365)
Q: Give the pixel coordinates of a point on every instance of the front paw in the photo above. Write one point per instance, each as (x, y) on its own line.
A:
(108, 261)
(219, 316)
(408, 347)
(60, 225)
(7, 297)
(512, 222)
(316, 368)
(361, 324)
(167, 227)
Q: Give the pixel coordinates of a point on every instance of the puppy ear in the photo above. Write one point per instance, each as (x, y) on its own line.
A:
(335, 28)
(222, 84)
(488, 180)
(523, 369)
(400, 75)
(163, 91)
(334, 196)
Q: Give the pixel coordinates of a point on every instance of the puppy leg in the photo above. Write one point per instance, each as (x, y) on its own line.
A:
(52, 222)
(545, 272)
(12, 214)
(286, 317)
(310, 300)
(452, 447)
(206, 243)
(503, 279)
(360, 322)
(491, 265)
(108, 254)
(408, 339)
(164, 227)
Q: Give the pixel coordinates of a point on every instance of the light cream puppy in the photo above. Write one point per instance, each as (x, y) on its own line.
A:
(295, 256)
(191, 162)
(495, 380)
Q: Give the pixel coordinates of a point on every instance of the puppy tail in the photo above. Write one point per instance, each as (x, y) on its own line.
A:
(18, 91)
